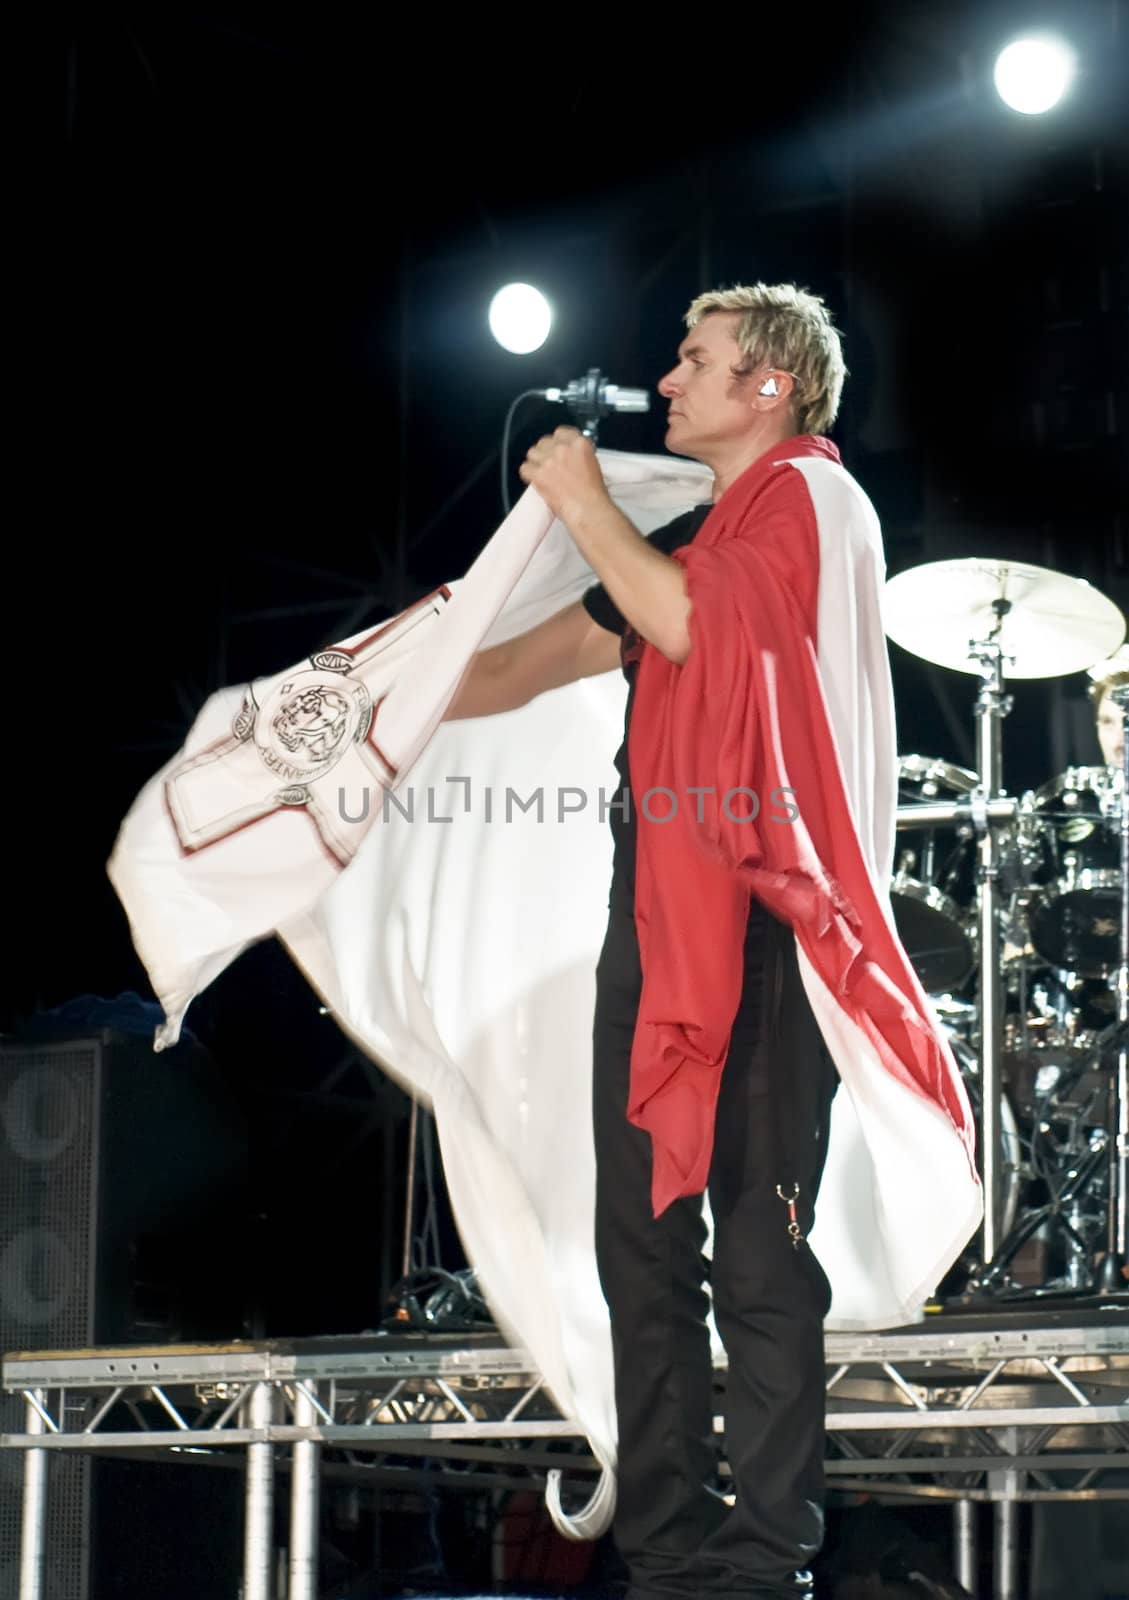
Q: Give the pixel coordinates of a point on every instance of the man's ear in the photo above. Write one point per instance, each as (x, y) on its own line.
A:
(774, 387)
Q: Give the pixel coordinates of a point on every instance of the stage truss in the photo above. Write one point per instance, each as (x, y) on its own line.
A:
(965, 1413)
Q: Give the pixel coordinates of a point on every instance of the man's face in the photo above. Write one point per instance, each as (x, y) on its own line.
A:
(1110, 730)
(709, 406)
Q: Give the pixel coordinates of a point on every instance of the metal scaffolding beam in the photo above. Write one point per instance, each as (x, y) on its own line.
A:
(1006, 1415)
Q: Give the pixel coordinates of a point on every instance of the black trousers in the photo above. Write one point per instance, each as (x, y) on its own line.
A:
(672, 1526)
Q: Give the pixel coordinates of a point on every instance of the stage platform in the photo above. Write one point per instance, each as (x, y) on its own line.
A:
(1020, 1405)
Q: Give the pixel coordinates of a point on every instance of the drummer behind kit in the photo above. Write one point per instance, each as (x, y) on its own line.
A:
(1015, 915)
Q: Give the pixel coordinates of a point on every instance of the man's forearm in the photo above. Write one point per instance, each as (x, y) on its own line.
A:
(486, 687)
(648, 587)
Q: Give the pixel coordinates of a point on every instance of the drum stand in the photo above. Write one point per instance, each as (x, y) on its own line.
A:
(992, 705)
(1113, 1276)
(987, 808)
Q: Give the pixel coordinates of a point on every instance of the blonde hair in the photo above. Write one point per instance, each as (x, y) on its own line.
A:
(793, 330)
(1099, 687)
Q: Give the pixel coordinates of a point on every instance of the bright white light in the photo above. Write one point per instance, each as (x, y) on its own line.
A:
(520, 318)
(1033, 74)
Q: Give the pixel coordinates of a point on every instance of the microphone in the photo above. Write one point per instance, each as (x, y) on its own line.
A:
(592, 397)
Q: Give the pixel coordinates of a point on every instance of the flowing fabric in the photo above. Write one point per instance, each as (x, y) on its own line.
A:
(453, 928)
(744, 725)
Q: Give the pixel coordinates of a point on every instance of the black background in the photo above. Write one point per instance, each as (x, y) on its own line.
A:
(257, 405)
(262, 245)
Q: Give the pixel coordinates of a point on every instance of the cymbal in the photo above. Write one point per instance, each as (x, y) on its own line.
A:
(1055, 624)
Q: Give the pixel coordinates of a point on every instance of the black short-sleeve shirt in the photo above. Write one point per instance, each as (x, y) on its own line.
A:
(603, 610)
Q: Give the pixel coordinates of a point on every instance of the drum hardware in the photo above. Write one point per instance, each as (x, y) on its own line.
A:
(1090, 1088)
(1075, 908)
(1080, 1164)
(984, 810)
(995, 619)
(1050, 1011)
(1054, 1092)
(1051, 1087)
(931, 885)
(975, 811)
(1071, 1091)
(1114, 1275)
(992, 705)
(957, 1017)
(1084, 1229)
(1010, 1164)
(940, 936)
(1051, 624)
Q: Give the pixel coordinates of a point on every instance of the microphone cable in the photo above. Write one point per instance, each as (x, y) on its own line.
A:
(526, 394)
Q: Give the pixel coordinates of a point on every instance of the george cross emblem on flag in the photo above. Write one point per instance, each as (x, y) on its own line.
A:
(297, 740)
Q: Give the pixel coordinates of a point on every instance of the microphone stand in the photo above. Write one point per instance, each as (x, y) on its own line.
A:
(588, 398)
(583, 400)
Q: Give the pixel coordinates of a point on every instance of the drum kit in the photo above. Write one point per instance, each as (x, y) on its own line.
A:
(1014, 911)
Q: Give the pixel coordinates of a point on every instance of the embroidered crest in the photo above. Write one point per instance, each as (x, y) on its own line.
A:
(308, 722)
(290, 733)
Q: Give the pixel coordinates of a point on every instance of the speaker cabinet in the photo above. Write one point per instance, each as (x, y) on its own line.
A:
(123, 1217)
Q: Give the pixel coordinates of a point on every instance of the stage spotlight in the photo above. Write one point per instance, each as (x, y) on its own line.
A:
(1033, 74)
(520, 318)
